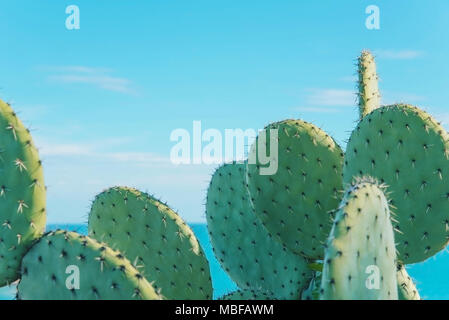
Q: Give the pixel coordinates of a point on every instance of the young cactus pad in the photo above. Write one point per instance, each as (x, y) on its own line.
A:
(406, 149)
(360, 261)
(65, 265)
(368, 88)
(22, 194)
(245, 249)
(154, 237)
(294, 203)
(406, 287)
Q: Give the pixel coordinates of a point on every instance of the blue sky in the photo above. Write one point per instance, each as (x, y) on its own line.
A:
(103, 100)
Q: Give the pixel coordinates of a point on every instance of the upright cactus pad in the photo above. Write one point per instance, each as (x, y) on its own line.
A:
(22, 194)
(245, 249)
(406, 287)
(360, 261)
(154, 237)
(368, 95)
(67, 266)
(405, 148)
(248, 294)
(294, 203)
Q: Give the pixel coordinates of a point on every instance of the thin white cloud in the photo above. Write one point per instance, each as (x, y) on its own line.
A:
(91, 151)
(97, 77)
(64, 150)
(398, 54)
(105, 82)
(331, 98)
(317, 109)
(73, 68)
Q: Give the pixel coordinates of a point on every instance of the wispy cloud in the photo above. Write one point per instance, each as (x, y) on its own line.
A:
(331, 97)
(317, 109)
(92, 152)
(398, 54)
(98, 77)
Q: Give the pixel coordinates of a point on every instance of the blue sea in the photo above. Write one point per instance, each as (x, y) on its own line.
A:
(431, 276)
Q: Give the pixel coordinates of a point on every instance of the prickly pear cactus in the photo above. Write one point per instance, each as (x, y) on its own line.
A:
(405, 148)
(406, 287)
(360, 261)
(368, 93)
(294, 202)
(248, 294)
(65, 265)
(245, 249)
(154, 237)
(22, 194)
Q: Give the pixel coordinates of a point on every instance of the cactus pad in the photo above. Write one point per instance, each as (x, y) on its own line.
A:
(248, 294)
(154, 237)
(406, 287)
(294, 203)
(245, 249)
(104, 274)
(22, 194)
(405, 148)
(368, 95)
(360, 256)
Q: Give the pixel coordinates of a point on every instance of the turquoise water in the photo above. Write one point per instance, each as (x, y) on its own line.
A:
(431, 276)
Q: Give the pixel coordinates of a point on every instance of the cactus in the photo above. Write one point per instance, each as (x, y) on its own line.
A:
(248, 294)
(361, 243)
(104, 274)
(152, 235)
(406, 287)
(405, 148)
(294, 203)
(368, 89)
(22, 194)
(248, 253)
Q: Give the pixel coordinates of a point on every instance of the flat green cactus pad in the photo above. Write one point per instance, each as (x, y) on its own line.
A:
(294, 202)
(245, 249)
(22, 194)
(155, 238)
(406, 149)
(248, 294)
(360, 261)
(68, 266)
